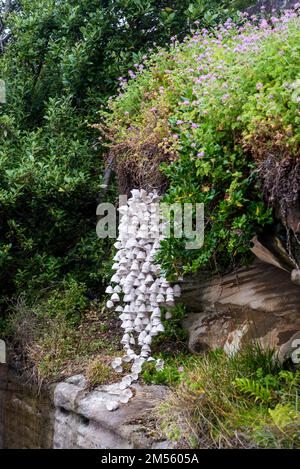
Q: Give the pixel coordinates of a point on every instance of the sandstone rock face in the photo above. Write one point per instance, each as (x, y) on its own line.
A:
(83, 421)
(75, 417)
(26, 415)
(258, 302)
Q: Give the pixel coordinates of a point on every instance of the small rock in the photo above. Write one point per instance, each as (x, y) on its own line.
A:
(112, 405)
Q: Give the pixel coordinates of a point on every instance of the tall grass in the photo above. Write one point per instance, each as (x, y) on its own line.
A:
(243, 401)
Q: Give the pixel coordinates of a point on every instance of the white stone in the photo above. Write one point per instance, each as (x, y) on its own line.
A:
(112, 405)
(115, 297)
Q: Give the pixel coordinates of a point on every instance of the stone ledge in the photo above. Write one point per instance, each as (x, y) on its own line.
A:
(82, 420)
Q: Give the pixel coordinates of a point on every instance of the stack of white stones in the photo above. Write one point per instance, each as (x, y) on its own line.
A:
(138, 290)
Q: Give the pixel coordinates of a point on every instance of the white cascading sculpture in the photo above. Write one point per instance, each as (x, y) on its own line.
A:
(138, 290)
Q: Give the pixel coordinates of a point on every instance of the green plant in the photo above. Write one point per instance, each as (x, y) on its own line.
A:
(168, 376)
(174, 331)
(283, 415)
(257, 360)
(283, 431)
(253, 389)
(69, 302)
(172, 372)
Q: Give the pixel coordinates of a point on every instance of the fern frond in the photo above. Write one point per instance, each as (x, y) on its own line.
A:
(253, 389)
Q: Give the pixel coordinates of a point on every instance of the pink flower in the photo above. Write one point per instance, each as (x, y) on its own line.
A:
(131, 74)
(259, 86)
(264, 23)
(180, 369)
(274, 19)
(194, 125)
(225, 97)
(200, 154)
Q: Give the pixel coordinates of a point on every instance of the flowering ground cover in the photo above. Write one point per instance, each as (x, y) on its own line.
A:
(208, 113)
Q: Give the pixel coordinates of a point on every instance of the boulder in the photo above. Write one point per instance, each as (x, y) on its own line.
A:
(255, 303)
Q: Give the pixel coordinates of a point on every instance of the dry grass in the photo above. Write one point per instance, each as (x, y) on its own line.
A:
(48, 350)
(99, 371)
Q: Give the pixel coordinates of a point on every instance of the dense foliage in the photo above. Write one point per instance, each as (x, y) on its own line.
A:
(61, 64)
(215, 106)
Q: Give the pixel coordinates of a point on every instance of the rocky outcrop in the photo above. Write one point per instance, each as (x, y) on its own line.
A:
(83, 421)
(259, 302)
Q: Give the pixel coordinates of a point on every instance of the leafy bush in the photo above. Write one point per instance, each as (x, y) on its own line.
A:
(48, 188)
(221, 402)
(174, 333)
(68, 303)
(215, 106)
(266, 388)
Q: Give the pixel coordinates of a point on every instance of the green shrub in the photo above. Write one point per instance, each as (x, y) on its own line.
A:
(174, 330)
(68, 303)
